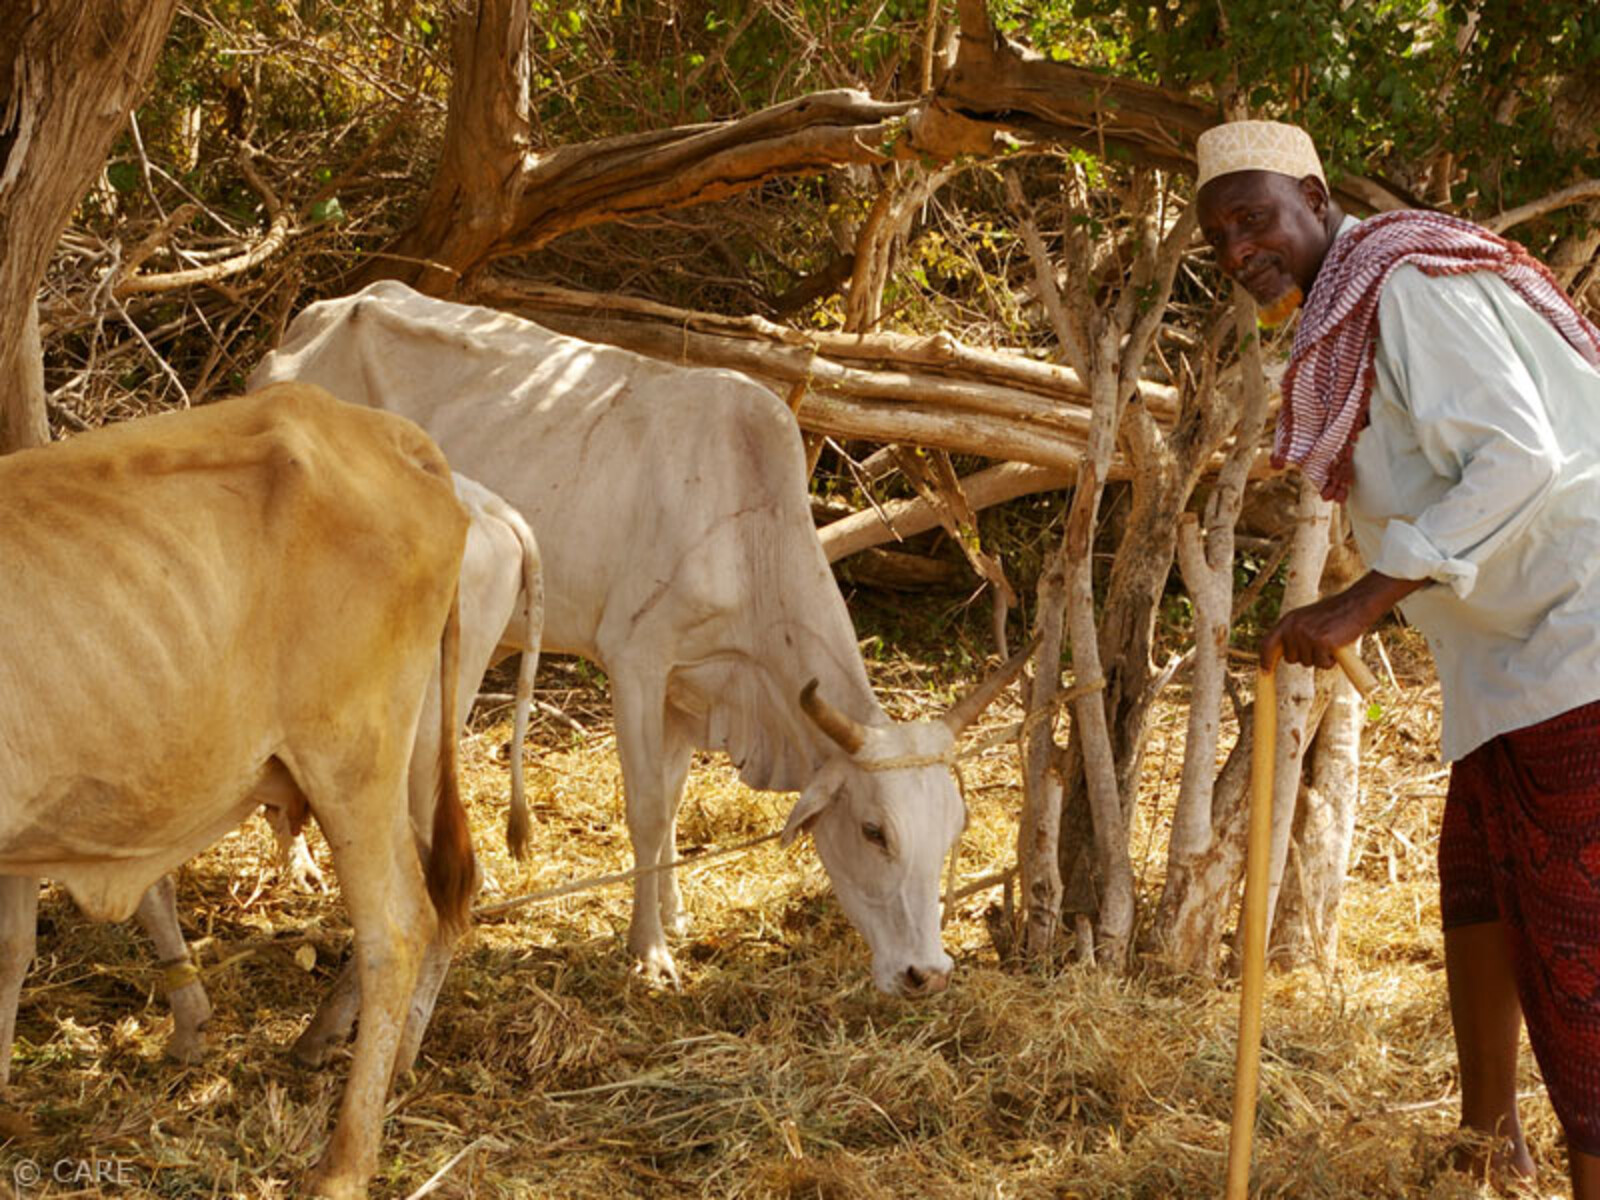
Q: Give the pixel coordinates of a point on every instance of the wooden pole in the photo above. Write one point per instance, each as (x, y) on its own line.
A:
(1253, 931)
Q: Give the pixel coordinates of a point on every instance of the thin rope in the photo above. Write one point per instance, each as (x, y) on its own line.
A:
(596, 881)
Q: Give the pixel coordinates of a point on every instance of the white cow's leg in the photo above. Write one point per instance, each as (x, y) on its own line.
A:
(393, 921)
(641, 720)
(675, 756)
(158, 914)
(19, 912)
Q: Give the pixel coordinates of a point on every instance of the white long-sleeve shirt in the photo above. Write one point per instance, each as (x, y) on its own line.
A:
(1480, 470)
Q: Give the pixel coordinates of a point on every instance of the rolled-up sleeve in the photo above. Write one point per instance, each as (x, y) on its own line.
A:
(1478, 420)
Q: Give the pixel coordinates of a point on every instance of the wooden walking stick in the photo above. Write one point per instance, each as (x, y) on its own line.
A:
(1253, 931)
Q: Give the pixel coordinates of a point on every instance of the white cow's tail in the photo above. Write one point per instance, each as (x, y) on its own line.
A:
(518, 823)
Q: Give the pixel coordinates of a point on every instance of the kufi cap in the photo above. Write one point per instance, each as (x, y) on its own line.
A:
(1256, 146)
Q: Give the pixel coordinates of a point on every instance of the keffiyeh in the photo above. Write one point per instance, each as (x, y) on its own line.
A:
(1331, 368)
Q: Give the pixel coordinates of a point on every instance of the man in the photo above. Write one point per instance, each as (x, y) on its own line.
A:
(1443, 387)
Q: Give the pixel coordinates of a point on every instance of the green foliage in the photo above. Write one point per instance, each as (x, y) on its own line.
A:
(327, 210)
(1510, 90)
(642, 64)
(123, 176)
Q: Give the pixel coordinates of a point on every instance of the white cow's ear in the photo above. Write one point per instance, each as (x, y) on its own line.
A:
(821, 792)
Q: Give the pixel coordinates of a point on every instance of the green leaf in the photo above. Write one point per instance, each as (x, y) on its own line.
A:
(123, 176)
(327, 210)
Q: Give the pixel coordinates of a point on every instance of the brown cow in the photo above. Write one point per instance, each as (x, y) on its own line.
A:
(207, 611)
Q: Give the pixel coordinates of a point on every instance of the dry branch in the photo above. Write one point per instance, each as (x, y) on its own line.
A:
(1011, 370)
(1588, 189)
(274, 240)
(906, 518)
(929, 391)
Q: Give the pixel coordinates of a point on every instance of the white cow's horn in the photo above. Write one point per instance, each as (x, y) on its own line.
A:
(849, 733)
(967, 709)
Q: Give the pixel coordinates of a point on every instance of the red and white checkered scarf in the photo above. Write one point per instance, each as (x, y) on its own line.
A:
(1331, 368)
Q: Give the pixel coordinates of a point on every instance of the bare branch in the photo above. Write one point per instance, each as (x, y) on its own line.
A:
(1577, 193)
(1070, 329)
(276, 237)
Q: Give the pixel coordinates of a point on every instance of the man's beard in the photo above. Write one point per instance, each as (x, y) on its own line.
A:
(1278, 312)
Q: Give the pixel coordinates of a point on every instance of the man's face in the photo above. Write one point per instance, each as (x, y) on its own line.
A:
(1269, 231)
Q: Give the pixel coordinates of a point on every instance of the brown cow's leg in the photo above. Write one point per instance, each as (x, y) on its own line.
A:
(334, 1019)
(19, 912)
(376, 862)
(429, 981)
(191, 1009)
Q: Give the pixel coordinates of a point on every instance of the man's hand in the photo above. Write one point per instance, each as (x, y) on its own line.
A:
(1310, 635)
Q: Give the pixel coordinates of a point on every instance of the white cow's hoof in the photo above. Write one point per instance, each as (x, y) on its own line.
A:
(677, 924)
(656, 967)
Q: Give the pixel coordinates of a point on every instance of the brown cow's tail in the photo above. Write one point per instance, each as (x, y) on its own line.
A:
(452, 872)
(518, 823)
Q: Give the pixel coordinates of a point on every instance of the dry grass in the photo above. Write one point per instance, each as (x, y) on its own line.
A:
(777, 1071)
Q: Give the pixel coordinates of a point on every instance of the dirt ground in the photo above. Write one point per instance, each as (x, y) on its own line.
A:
(552, 1071)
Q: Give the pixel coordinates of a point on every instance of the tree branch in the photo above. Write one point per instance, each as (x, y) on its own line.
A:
(1587, 189)
(276, 236)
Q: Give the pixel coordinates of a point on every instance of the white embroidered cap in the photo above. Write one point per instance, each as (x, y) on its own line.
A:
(1256, 146)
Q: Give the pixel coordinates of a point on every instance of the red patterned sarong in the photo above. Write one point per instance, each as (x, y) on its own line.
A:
(1521, 843)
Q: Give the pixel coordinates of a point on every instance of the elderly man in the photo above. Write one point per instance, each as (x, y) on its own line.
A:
(1444, 388)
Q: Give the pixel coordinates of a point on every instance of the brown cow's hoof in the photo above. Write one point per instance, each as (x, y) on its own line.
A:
(329, 1186)
(312, 1049)
(188, 1049)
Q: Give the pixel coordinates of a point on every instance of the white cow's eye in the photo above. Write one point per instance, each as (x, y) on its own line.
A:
(874, 834)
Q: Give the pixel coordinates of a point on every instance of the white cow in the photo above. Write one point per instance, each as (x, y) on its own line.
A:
(502, 612)
(263, 585)
(672, 515)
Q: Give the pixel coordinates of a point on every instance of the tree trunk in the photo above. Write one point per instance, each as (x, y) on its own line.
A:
(1099, 767)
(1039, 824)
(1090, 726)
(1296, 685)
(1324, 832)
(67, 83)
(478, 183)
(1203, 857)
(1325, 818)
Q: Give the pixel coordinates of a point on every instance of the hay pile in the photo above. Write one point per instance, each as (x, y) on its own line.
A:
(551, 1071)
